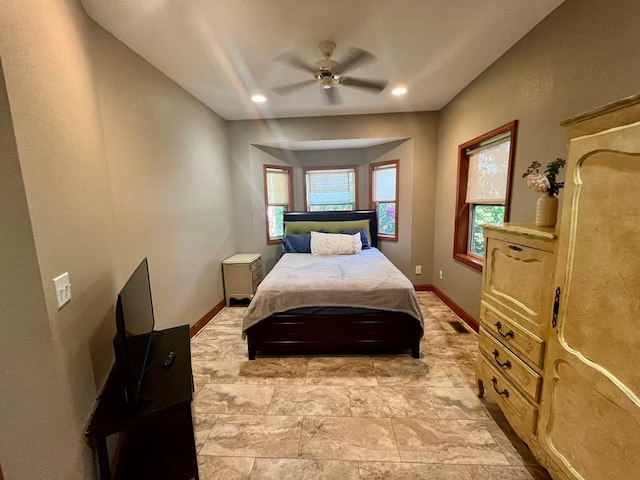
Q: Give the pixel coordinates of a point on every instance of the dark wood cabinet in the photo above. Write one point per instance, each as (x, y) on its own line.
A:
(157, 439)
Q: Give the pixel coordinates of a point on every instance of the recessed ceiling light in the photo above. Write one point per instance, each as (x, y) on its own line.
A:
(258, 99)
(399, 91)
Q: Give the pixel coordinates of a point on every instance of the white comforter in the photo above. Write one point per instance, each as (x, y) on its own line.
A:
(366, 280)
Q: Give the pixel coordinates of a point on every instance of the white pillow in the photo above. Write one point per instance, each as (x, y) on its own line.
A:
(335, 243)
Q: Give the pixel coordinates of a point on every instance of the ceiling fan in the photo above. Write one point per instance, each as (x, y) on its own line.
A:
(329, 73)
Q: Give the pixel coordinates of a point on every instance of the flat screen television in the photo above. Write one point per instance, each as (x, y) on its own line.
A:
(134, 330)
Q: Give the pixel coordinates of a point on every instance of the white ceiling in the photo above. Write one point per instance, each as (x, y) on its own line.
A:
(223, 51)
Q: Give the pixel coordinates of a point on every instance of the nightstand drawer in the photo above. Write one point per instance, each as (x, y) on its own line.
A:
(256, 270)
(513, 335)
(510, 365)
(501, 391)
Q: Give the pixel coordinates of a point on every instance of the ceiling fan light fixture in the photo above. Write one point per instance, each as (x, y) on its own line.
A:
(326, 82)
(401, 90)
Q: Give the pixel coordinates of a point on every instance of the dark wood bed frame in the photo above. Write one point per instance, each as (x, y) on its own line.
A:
(371, 332)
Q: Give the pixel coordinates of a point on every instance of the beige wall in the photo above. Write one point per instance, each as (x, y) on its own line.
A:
(585, 54)
(115, 162)
(169, 175)
(417, 175)
(27, 352)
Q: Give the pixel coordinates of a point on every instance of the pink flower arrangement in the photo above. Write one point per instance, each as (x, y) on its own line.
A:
(538, 182)
(546, 182)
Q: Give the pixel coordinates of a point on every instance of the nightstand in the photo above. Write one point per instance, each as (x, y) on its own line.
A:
(242, 274)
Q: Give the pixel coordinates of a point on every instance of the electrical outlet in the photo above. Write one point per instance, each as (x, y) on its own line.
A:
(418, 269)
(440, 275)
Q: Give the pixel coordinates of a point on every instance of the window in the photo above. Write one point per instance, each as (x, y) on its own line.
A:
(384, 197)
(278, 198)
(484, 181)
(331, 188)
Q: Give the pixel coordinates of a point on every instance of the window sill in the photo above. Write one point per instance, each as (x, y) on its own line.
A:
(388, 238)
(469, 260)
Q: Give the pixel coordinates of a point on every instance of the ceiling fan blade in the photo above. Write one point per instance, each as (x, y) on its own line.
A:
(331, 96)
(284, 89)
(377, 85)
(296, 62)
(355, 58)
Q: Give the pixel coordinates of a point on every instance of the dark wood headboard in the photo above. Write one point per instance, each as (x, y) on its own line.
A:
(338, 217)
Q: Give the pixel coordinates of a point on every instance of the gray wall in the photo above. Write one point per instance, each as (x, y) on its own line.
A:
(417, 175)
(585, 54)
(111, 162)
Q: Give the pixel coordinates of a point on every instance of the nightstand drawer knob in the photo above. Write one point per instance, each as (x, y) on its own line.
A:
(507, 364)
(509, 334)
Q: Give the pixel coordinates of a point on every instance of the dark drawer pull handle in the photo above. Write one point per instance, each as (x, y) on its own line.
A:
(515, 248)
(507, 364)
(509, 334)
(504, 392)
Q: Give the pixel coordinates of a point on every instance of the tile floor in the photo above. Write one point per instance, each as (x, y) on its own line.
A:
(350, 417)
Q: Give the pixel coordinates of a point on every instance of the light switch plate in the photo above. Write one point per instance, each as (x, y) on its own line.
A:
(62, 287)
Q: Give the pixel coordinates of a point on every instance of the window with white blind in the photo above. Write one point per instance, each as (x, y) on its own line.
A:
(278, 198)
(331, 188)
(384, 197)
(484, 176)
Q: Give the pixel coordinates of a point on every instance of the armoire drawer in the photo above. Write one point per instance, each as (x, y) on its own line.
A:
(516, 338)
(512, 402)
(526, 379)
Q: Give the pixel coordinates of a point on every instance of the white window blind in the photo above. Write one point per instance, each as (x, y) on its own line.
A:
(384, 184)
(277, 187)
(488, 169)
(329, 187)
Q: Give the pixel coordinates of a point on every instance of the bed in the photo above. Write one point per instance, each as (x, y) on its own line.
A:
(336, 304)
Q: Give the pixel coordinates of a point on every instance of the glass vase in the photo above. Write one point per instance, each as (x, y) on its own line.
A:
(546, 210)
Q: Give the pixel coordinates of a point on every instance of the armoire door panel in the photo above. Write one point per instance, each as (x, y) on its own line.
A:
(586, 428)
(602, 318)
(513, 267)
(589, 421)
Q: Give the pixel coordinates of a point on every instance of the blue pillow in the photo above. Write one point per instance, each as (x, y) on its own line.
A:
(297, 243)
(363, 237)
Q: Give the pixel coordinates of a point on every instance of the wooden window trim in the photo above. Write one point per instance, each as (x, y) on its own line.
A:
(372, 168)
(462, 212)
(288, 207)
(335, 167)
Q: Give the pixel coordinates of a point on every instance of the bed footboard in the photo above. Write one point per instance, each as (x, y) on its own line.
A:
(295, 334)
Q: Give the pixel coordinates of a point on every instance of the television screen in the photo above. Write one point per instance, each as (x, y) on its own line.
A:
(134, 328)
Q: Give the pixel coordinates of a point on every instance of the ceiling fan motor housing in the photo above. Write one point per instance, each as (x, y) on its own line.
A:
(326, 73)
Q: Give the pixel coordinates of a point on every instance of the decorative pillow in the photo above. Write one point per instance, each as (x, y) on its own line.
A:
(297, 243)
(335, 244)
(363, 237)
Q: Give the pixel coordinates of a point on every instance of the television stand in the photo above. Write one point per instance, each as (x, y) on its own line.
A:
(157, 439)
